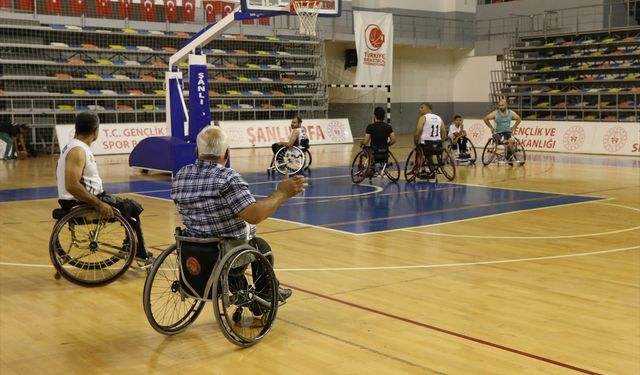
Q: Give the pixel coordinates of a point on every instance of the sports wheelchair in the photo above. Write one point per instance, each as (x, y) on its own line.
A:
(89, 249)
(371, 163)
(292, 159)
(496, 151)
(235, 276)
(469, 157)
(417, 165)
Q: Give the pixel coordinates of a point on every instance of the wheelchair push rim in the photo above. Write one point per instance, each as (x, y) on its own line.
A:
(89, 249)
(245, 311)
(413, 165)
(392, 170)
(489, 151)
(447, 165)
(360, 166)
(289, 160)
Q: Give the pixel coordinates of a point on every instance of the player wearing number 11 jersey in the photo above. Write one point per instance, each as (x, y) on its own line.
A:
(430, 134)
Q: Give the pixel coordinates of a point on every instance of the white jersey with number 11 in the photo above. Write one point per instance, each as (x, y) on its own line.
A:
(431, 129)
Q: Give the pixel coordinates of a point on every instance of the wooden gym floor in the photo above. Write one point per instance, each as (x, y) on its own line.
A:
(546, 289)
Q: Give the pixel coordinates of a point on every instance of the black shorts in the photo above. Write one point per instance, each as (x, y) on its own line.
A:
(432, 147)
(504, 136)
(127, 207)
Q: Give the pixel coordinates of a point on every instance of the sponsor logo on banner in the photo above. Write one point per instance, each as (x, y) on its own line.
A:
(337, 132)
(614, 139)
(374, 43)
(114, 138)
(245, 134)
(476, 133)
(574, 138)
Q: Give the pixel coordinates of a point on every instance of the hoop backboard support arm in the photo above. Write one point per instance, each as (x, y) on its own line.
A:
(176, 150)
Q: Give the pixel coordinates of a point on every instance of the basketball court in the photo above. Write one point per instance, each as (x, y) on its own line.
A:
(507, 270)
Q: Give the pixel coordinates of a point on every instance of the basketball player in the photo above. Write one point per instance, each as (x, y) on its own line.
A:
(298, 136)
(379, 135)
(430, 134)
(503, 117)
(79, 181)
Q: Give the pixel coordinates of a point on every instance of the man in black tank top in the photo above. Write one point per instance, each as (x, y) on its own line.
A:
(379, 136)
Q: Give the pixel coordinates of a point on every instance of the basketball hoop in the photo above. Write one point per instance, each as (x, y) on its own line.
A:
(307, 12)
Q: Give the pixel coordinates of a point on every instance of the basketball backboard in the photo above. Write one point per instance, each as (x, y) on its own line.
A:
(327, 8)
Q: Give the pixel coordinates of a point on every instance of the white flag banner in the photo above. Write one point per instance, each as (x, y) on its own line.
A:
(374, 43)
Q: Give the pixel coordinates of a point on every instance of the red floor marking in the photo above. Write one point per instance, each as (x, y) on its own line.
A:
(445, 331)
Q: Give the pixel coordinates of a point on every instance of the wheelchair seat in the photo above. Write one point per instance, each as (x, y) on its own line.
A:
(198, 259)
(304, 144)
(381, 155)
(59, 213)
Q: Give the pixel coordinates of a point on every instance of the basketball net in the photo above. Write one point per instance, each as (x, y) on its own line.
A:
(307, 12)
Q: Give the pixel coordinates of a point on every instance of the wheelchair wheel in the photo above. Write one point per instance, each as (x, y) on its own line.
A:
(91, 250)
(307, 160)
(471, 150)
(393, 168)
(245, 296)
(360, 166)
(489, 152)
(413, 165)
(447, 164)
(168, 308)
(520, 155)
(289, 160)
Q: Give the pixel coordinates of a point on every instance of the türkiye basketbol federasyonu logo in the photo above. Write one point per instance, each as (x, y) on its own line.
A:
(374, 37)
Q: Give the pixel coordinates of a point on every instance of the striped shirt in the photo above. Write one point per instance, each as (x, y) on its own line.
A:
(209, 198)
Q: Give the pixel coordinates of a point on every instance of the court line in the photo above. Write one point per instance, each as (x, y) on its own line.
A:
(405, 267)
(535, 237)
(461, 208)
(481, 217)
(447, 265)
(445, 331)
(376, 189)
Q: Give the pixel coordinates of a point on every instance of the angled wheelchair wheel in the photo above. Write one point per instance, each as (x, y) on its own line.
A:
(307, 160)
(168, 308)
(447, 164)
(289, 160)
(245, 296)
(360, 166)
(393, 168)
(414, 163)
(520, 155)
(91, 250)
(489, 152)
(471, 150)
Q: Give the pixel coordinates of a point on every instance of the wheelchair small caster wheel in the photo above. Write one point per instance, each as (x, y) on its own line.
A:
(57, 276)
(237, 315)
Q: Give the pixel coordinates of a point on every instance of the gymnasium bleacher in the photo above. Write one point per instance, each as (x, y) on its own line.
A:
(589, 76)
(51, 72)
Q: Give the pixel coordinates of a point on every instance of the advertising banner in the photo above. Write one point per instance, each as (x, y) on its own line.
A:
(245, 134)
(114, 138)
(610, 138)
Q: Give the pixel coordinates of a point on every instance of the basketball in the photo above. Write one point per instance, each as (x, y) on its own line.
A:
(22, 155)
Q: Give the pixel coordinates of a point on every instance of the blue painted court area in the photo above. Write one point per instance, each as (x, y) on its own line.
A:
(332, 201)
